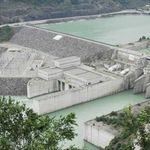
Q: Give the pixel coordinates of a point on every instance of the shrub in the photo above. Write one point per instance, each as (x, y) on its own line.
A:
(6, 33)
(113, 113)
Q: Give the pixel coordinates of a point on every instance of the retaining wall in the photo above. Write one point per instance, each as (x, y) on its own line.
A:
(53, 102)
(139, 85)
(13, 86)
(97, 135)
(37, 86)
(147, 95)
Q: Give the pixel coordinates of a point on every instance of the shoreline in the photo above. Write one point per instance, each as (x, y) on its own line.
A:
(123, 12)
(66, 19)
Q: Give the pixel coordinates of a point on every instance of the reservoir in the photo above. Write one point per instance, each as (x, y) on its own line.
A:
(99, 107)
(115, 30)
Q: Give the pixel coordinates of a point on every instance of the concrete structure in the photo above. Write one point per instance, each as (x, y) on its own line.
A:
(68, 83)
(67, 62)
(99, 134)
(55, 76)
(66, 46)
(72, 83)
(54, 83)
(51, 102)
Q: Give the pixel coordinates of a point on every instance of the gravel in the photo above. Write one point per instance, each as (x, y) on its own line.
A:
(13, 86)
(67, 46)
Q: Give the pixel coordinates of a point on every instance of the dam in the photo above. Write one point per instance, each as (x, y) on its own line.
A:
(58, 71)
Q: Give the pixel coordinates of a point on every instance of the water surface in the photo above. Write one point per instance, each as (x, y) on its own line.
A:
(116, 30)
(101, 106)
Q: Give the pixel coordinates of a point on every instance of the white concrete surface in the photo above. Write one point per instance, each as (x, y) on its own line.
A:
(99, 134)
(67, 62)
(37, 87)
(59, 100)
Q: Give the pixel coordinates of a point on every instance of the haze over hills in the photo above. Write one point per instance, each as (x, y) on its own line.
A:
(25, 10)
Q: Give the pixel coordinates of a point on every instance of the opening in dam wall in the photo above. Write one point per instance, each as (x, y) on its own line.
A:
(53, 102)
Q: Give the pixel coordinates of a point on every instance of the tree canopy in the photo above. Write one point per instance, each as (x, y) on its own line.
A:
(134, 130)
(6, 33)
(22, 129)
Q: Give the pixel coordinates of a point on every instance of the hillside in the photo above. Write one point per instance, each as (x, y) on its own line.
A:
(25, 10)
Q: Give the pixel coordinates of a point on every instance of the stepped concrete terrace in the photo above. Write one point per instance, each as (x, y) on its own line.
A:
(17, 66)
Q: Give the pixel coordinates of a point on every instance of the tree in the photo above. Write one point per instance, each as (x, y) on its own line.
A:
(22, 129)
(134, 130)
(129, 121)
(143, 134)
(6, 33)
(143, 138)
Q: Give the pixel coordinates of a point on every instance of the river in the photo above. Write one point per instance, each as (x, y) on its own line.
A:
(101, 106)
(116, 30)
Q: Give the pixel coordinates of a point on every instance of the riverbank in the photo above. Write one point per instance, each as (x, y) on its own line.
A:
(107, 127)
(123, 12)
(140, 46)
(66, 19)
(24, 10)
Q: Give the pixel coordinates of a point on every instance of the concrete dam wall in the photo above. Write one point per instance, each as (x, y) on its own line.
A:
(66, 46)
(52, 102)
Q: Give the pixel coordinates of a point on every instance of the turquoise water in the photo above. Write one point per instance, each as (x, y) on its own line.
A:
(101, 106)
(89, 146)
(120, 29)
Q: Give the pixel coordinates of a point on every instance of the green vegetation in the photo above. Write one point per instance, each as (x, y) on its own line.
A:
(143, 38)
(53, 2)
(132, 126)
(6, 33)
(75, 2)
(22, 129)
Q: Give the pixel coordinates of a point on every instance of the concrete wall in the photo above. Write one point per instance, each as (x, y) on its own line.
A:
(147, 95)
(36, 87)
(98, 136)
(147, 80)
(131, 77)
(139, 85)
(128, 56)
(142, 84)
(13, 86)
(52, 102)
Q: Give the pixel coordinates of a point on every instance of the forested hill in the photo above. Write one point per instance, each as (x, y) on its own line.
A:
(24, 10)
